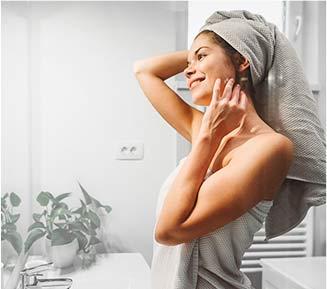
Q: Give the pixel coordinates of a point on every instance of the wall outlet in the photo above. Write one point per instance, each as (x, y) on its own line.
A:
(129, 150)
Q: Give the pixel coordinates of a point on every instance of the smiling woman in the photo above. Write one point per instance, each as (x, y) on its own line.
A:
(191, 207)
(214, 56)
(211, 206)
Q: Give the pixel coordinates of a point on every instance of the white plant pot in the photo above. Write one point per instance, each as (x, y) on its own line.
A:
(62, 256)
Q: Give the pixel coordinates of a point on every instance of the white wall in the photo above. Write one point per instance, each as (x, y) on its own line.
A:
(69, 94)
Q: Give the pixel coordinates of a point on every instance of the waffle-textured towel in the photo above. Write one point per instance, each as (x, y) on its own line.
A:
(284, 101)
(212, 261)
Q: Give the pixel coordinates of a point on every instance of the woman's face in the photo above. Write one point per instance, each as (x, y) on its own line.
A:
(207, 61)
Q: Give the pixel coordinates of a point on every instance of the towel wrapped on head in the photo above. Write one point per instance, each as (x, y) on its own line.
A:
(283, 99)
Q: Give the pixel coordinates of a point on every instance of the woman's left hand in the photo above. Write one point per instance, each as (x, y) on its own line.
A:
(226, 112)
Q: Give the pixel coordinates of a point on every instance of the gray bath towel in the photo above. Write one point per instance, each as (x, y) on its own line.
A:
(283, 99)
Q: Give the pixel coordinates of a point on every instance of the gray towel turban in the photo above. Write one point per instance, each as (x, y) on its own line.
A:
(285, 102)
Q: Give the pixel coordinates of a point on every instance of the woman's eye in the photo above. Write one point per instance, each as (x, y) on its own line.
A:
(200, 56)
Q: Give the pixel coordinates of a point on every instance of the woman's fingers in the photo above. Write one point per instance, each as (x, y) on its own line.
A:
(243, 100)
(216, 90)
(236, 94)
(228, 89)
(233, 96)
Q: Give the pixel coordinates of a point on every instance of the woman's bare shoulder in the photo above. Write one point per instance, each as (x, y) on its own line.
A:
(273, 153)
(270, 142)
(278, 140)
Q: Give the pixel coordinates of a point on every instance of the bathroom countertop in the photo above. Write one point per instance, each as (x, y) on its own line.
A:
(300, 272)
(112, 270)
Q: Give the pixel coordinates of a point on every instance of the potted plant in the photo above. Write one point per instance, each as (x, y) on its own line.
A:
(87, 225)
(67, 230)
(11, 240)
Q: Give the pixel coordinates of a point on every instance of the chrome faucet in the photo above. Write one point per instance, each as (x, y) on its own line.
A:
(30, 280)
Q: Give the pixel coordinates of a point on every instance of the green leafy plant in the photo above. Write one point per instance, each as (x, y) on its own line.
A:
(88, 221)
(62, 224)
(8, 220)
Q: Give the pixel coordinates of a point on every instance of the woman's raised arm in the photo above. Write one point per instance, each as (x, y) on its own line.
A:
(151, 74)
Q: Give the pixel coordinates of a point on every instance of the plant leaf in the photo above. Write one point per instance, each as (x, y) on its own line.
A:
(32, 237)
(87, 197)
(83, 204)
(37, 217)
(93, 226)
(62, 205)
(60, 225)
(99, 205)
(14, 199)
(4, 196)
(85, 228)
(108, 209)
(91, 231)
(62, 196)
(94, 218)
(61, 237)
(35, 226)
(10, 227)
(78, 211)
(15, 240)
(3, 205)
(43, 198)
(81, 238)
(96, 203)
(59, 212)
(75, 226)
(14, 218)
(94, 240)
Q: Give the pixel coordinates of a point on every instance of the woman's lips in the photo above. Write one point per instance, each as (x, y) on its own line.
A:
(195, 83)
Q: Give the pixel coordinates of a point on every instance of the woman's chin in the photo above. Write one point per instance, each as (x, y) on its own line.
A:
(200, 100)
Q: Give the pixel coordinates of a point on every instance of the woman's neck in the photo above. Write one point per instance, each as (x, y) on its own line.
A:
(253, 124)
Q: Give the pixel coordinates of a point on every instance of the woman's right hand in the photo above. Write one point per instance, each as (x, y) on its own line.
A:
(226, 112)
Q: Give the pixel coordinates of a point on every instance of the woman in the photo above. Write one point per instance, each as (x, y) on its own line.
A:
(257, 151)
(246, 158)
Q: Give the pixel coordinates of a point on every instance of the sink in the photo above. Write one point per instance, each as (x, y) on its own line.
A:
(120, 270)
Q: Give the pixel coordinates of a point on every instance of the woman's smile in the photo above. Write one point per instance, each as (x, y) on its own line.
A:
(195, 83)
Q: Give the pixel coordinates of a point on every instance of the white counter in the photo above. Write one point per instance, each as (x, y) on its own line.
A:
(114, 271)
(294, 273)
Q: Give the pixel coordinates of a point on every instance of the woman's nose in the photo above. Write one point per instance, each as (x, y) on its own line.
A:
(188, 71)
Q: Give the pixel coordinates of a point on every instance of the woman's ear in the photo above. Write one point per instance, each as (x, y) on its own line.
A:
(243, 64)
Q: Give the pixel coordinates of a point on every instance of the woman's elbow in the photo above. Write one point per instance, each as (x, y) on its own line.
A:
(164, 238)
(159, 236)
(138, 67)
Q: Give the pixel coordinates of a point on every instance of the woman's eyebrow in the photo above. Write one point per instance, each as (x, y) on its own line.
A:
(196, 51)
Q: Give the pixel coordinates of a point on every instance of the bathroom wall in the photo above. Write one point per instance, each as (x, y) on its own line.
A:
(69, 94)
